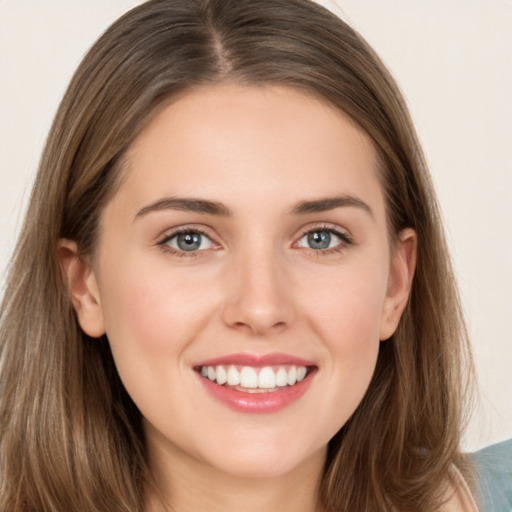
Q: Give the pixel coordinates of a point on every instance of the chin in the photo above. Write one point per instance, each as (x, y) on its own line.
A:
(267, 461)
(259, 469)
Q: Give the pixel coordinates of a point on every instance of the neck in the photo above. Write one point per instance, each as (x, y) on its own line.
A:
(187, 485)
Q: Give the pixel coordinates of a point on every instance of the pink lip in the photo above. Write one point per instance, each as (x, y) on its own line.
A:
(256, 360)
(268, 402)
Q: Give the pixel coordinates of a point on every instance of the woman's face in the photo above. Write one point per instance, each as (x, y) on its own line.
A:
(244, 278)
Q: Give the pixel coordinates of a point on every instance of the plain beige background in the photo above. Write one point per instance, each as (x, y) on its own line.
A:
(453, 61)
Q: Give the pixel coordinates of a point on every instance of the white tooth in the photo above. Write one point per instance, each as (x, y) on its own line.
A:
(248, 377)
(267, 378)
(301, 373)
(221, 375)
(211, 372)
(281, 377)
(233, 376)
(204, 371)
(292, 375)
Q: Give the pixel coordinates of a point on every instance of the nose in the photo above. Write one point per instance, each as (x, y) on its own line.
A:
(259, 295)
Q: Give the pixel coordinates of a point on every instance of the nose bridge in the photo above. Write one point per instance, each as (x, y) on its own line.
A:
(257, 297)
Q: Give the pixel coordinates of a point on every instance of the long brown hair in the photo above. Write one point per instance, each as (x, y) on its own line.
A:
(71, 438)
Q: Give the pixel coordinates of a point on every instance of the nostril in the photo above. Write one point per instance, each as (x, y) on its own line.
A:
(259, 328)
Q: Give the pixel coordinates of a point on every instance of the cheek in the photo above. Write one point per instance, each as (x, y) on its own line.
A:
(151, 318)
(347, 319)
(348, 311)
(151, 308)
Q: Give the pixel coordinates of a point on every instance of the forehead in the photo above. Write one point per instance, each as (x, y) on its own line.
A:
(238, 142)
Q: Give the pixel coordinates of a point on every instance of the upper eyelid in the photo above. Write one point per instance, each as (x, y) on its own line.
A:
(322, 226)
(172, 232)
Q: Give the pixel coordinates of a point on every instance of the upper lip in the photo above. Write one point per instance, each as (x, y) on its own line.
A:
(244, 359)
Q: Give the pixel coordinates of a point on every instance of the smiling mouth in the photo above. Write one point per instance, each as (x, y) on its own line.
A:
(251, 379)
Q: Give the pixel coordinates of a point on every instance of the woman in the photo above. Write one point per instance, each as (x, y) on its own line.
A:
(238, 288)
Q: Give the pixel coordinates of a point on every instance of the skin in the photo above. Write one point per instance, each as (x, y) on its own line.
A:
(254, 287)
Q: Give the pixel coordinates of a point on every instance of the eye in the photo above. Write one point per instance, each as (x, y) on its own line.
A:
(188, 241)
(322, 239)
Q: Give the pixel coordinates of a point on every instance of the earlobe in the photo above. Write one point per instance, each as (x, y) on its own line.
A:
(82, 287)
(403, 264)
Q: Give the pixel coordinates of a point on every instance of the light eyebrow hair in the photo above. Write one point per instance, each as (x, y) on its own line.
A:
(187, 205)
(330, 203)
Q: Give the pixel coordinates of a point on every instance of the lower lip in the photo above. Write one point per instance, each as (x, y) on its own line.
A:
(258, 403)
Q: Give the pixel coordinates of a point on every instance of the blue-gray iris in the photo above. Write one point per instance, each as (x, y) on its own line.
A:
(319, 239)
(189, 241)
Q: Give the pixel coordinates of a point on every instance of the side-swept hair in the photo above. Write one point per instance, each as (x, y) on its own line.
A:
(71, 438)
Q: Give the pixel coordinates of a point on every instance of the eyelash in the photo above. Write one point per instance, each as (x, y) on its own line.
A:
(345, 240)
(163, 243)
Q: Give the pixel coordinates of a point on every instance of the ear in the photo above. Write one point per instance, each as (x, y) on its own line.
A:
(82, 287)
(403, 264)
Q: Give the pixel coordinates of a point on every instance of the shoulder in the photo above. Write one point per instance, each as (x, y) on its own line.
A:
(458, 497)
(493, 468)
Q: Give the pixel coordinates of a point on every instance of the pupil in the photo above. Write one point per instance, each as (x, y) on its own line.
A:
(189, 241)
(319, 239)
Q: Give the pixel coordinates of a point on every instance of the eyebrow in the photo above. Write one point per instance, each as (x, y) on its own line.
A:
(330, 203)
(187, 205)
(215, 208)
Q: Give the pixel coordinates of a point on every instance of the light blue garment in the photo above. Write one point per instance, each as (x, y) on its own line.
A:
(494, 477)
